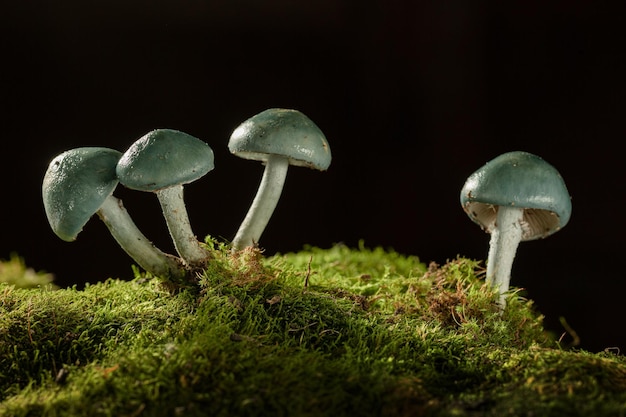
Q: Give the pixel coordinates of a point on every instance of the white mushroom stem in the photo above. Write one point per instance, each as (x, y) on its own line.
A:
(264, 202)
(175, 213)
(505, 237)
(136, 245)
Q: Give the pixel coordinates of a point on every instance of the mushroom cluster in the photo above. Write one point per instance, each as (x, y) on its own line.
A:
(80, 183)
(515, 197)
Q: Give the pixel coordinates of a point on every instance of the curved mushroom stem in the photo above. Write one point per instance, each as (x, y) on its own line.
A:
(136, 245)
(175, 213)
(264, 202)
(505, 238)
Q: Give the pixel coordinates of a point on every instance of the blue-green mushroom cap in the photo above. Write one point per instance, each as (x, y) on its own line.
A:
(75, 185)
(518, 179)
(163, 158)
(283, 132)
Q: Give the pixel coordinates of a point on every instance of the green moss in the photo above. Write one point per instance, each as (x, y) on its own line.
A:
(334, 332)
(14, 271)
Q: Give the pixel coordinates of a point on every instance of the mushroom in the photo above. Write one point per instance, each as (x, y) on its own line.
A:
(515, 197)
(278, 138)
(162, 161)
(78, 184)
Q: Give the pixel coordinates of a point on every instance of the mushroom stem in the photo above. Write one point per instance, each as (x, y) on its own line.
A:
(136, 245)
(264, 202)
(175, 213)
(505, 237)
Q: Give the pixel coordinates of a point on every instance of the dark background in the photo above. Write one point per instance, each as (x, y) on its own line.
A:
(412, 96)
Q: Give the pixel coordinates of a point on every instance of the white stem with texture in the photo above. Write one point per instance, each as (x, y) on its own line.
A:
(135, 244)
(264, 202)
(175, 213)
(505, 238)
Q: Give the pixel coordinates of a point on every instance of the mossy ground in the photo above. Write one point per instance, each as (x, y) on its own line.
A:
(324, 332)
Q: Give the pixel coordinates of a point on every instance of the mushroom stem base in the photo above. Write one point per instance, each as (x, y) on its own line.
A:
(505, 238)
(135, 244)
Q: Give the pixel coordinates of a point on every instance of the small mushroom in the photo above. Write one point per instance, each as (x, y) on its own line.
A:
(515, 197)
(278, 138)
(162, 161)
(78, 184)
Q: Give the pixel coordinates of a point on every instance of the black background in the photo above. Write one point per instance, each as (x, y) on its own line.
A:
(412, 96)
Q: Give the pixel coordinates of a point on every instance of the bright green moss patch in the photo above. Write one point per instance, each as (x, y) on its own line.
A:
(325, 332)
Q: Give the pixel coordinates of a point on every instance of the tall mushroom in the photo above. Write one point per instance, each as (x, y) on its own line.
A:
(515, 197)
(278, 138)
(78, 184)
(162, 161)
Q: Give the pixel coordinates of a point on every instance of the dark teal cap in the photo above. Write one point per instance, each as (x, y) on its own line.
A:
(74, 187)
(163, 158)
(518, 179)
(284, 132)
